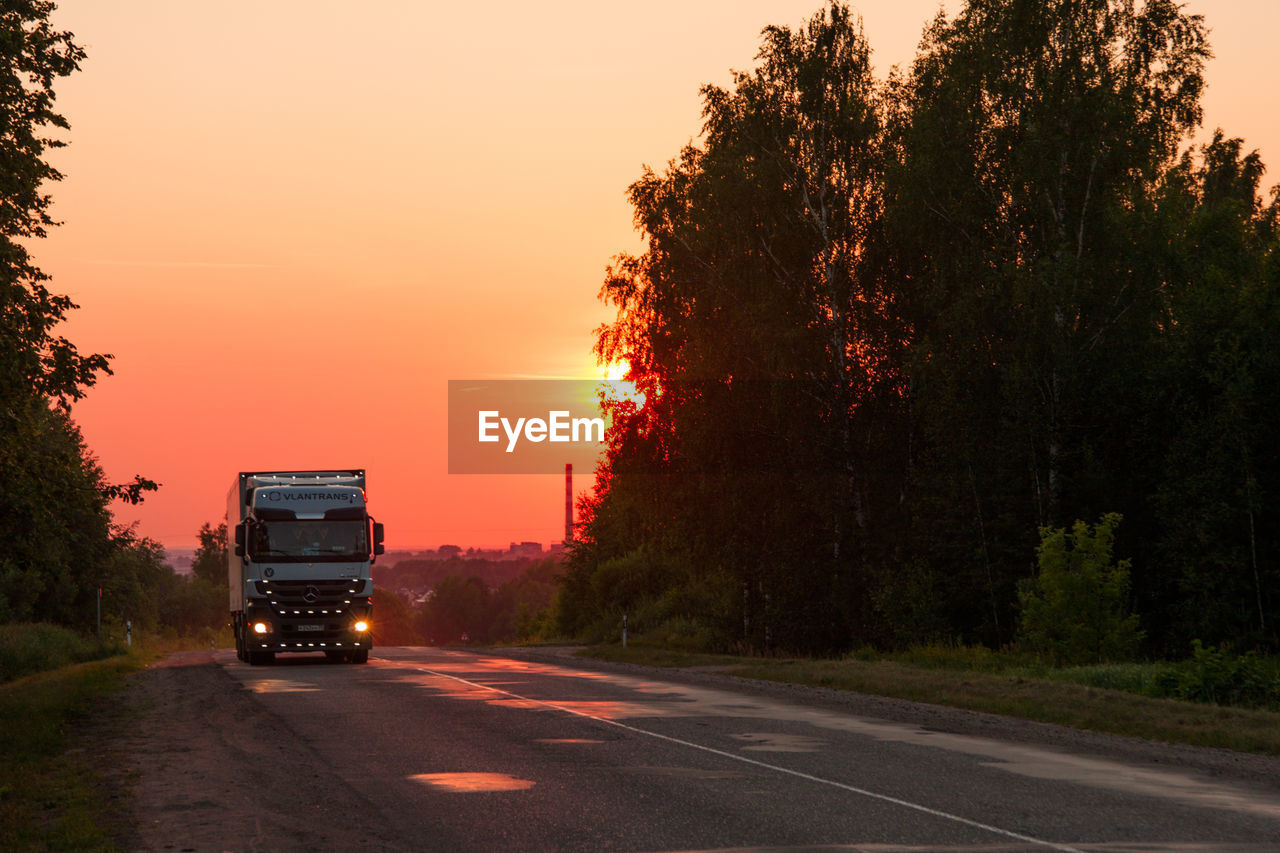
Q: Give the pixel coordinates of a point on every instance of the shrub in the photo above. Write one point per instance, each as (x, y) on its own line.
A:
(1075, 610)
(1218, 676)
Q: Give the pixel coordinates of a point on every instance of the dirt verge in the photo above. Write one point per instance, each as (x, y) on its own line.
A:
(195, 765)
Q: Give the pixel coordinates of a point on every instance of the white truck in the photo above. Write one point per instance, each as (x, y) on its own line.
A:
(299, 573)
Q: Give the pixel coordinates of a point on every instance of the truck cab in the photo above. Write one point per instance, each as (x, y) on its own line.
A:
(299, 573)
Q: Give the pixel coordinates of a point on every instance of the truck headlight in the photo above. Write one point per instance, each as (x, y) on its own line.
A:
(361, 625)
(261, 627)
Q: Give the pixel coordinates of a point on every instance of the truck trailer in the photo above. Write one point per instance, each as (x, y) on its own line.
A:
(299, 573)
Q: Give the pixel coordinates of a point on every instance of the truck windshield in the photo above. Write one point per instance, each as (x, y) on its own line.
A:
(310, 540)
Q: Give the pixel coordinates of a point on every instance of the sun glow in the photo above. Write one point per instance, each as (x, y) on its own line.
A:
(614, 370)
(616, 388)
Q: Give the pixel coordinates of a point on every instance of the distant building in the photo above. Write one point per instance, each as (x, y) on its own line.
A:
(520, 550)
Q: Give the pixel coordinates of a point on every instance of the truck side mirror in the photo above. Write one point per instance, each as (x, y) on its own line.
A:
(240, 539)
(378, 547)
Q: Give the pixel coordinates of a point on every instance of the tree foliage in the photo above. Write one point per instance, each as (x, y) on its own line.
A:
(465, 609)
(32, 57)
(55, 528)
(57, 546)
(746, 455)
(393, 623)
(1215, 507)
(888, 330)
(210, 561)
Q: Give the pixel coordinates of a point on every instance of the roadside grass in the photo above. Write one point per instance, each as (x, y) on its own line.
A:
(206, 638)
(51, 794)
(1212, 675)
(49, 797)
(1005, 683)
(27, 648)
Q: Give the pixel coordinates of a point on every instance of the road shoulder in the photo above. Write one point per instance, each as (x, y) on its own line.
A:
(195, 764)
(1261, 772)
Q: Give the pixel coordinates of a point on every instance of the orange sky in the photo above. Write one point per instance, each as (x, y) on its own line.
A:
(293, 222)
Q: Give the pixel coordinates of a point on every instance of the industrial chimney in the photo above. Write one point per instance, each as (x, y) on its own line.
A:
(568, 503)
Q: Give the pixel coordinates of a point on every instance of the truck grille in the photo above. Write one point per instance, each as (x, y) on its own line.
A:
(315, 614)
(304, 596)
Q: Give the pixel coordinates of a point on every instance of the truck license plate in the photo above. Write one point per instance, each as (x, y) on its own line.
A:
(310, 627)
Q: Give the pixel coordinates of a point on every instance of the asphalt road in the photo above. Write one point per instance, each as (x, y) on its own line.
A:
(448, 750)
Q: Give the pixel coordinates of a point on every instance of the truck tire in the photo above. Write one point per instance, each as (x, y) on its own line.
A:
(361, 656)
(261, 658)
(337, 657)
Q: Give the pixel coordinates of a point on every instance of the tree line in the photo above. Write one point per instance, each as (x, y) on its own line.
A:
(60, 552)
(469, 600)
(896, 337)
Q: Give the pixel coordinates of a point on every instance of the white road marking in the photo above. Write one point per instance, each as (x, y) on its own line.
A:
(1007, 833)
(1163, 783)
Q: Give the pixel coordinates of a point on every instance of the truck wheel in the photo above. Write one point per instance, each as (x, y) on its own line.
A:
(336, 657)
(261, 658)
(361, 656)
